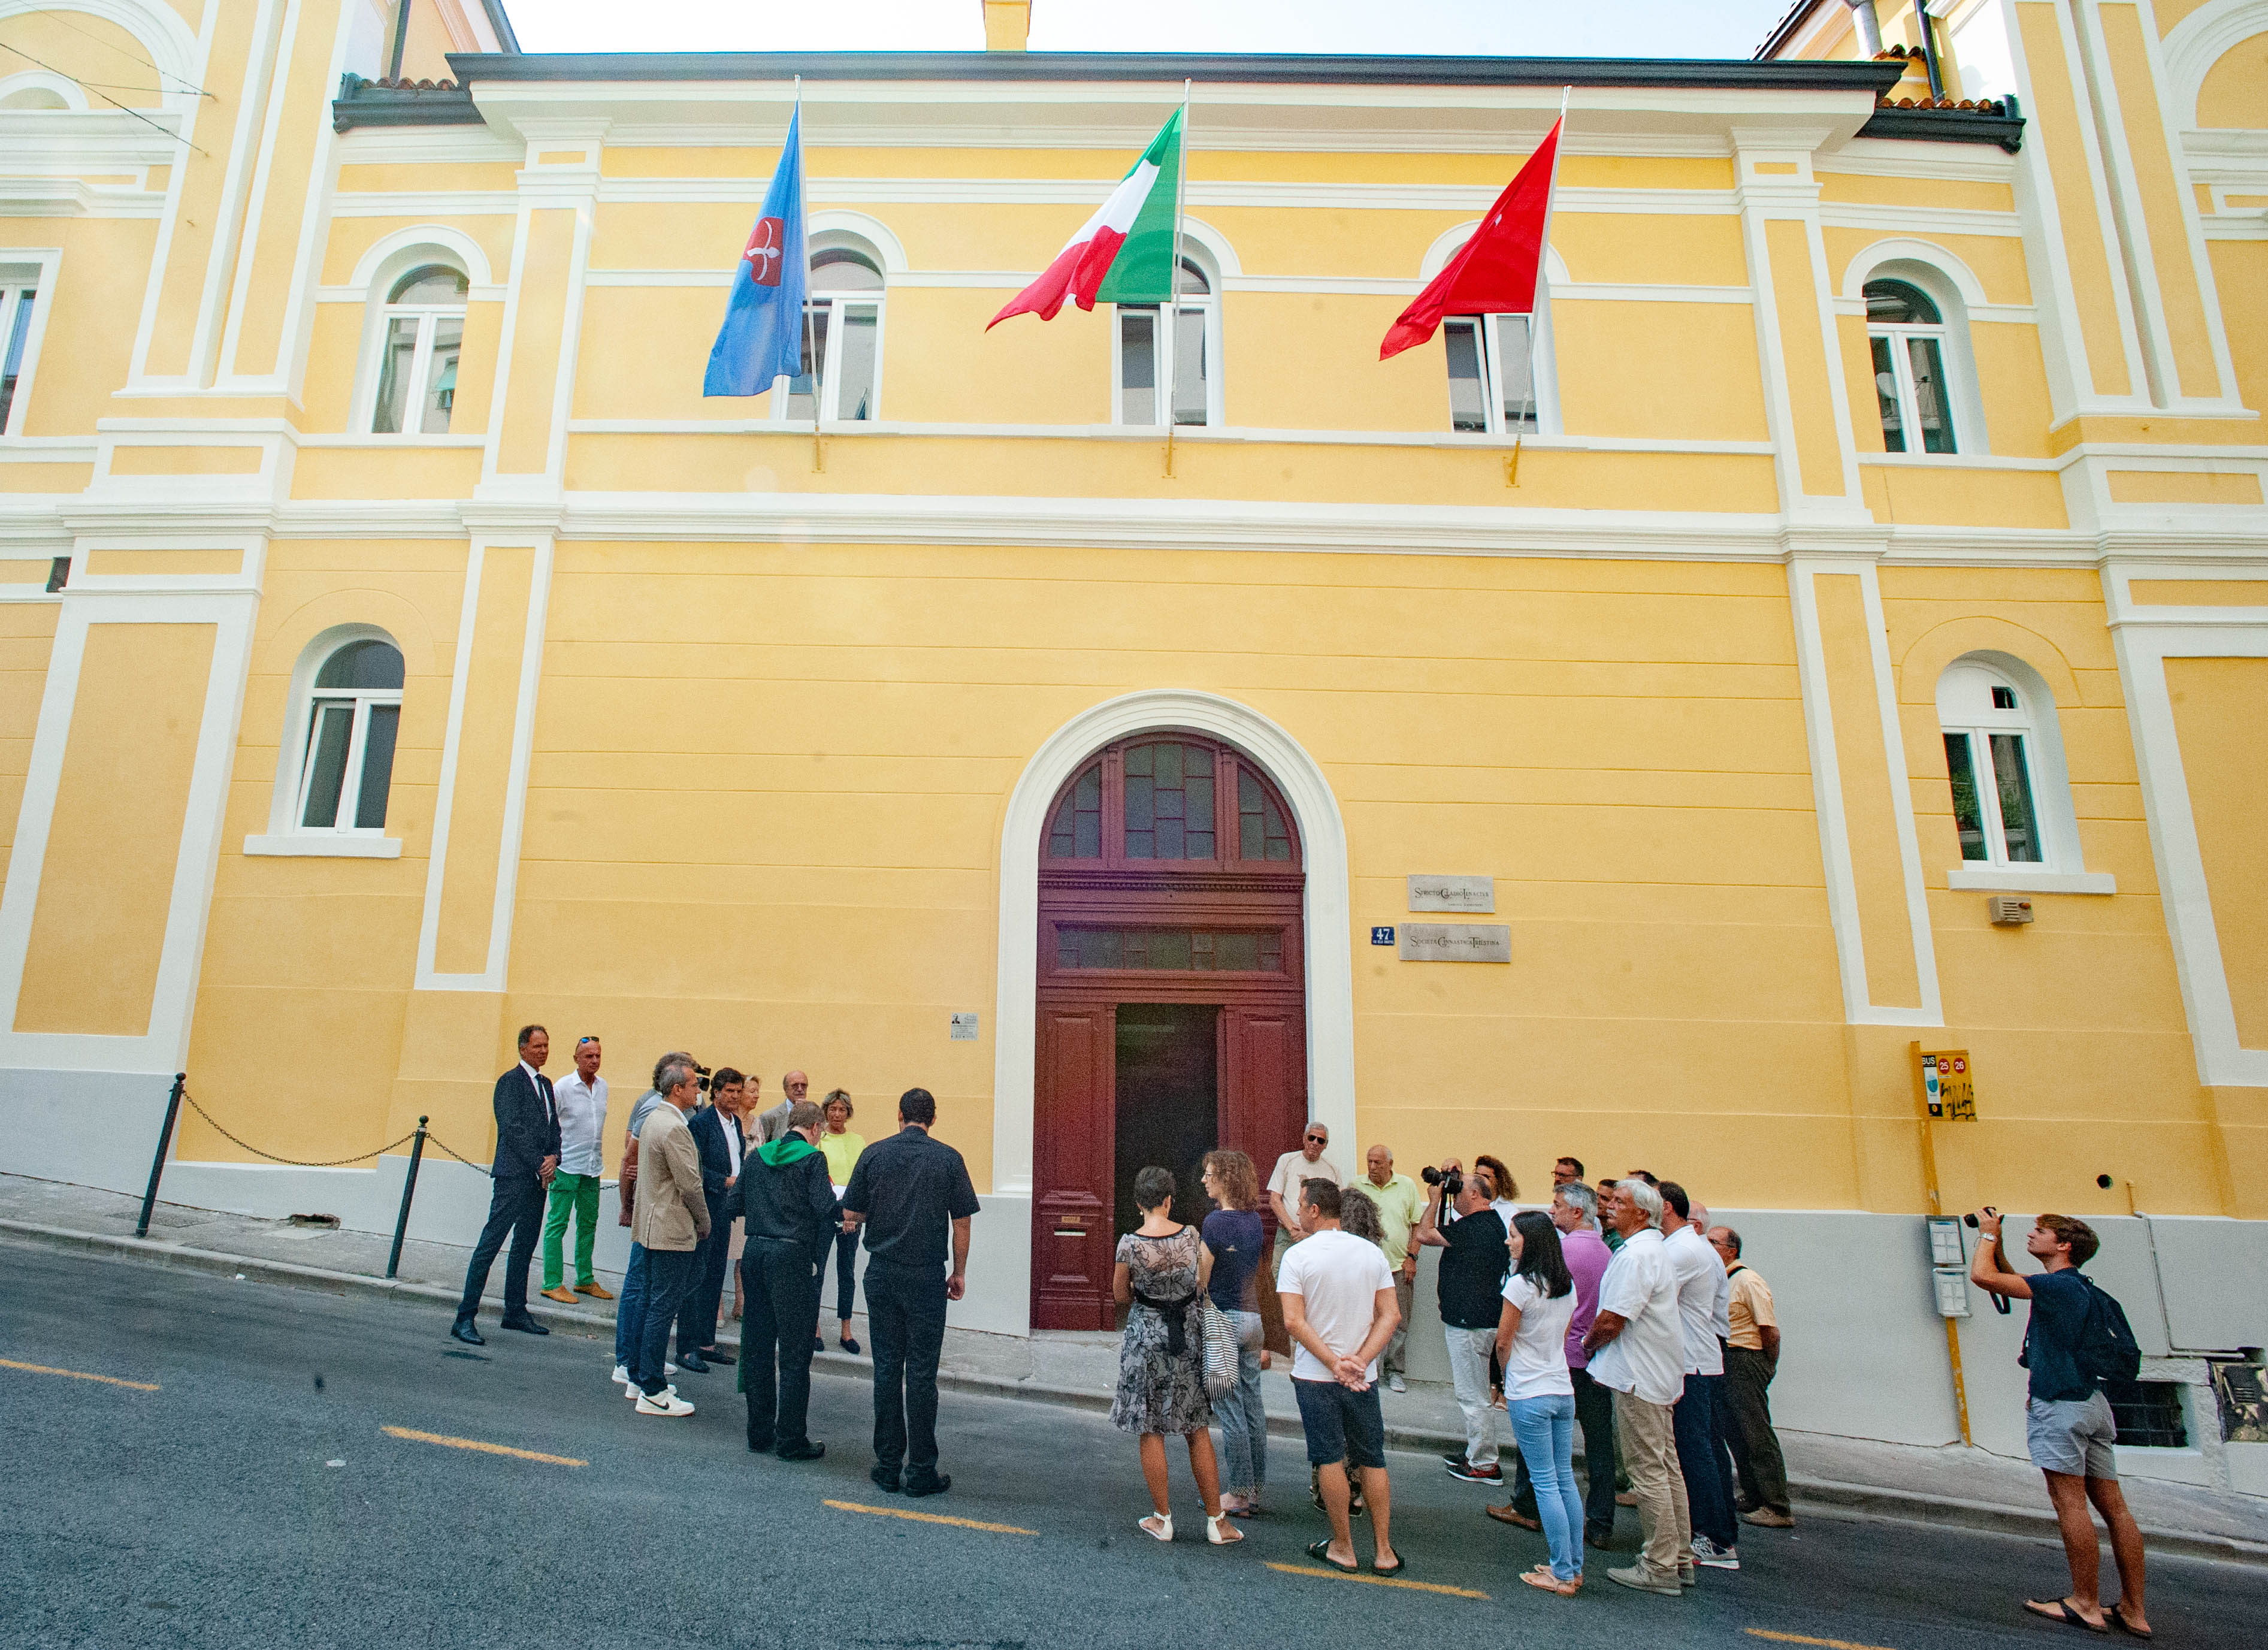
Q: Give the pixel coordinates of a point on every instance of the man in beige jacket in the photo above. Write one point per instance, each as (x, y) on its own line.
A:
(669, 1218)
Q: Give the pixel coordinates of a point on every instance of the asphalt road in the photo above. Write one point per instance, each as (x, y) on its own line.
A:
(254, 1499)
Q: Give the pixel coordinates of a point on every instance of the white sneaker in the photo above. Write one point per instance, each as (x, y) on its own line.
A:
(665, 1402)
(1395, 1383)
(668, 1368)
(633, 1392)
(1706, 1552)
(621, 1374)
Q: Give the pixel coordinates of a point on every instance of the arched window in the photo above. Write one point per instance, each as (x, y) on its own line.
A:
(1906, 330)
(353, 715)
(1992, 758)
(1174, 352)
(844, 310)
(1171, 799)
(422, 329)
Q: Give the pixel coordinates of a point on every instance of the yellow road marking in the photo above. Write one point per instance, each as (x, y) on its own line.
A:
(1797, 1638)
(930, 1518)
(416, 1436)
(80, 1375)
(1379, 1581)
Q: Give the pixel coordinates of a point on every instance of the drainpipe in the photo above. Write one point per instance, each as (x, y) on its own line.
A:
(1928, 26)
(1869, 26)
(400, 39)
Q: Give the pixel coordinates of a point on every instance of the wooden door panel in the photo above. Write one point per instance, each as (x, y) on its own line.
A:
(1075, 1125)
(1264, 1094)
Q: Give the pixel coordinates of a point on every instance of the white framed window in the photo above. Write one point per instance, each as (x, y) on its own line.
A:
(842, 331)
(353, 719)
(1906, 331)
(19, 310)
(421, 333)
(1191, 329)
(1990, 743)
(1492, 374)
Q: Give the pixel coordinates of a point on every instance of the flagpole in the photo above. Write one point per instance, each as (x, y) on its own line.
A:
(1543, 252)
(1173, 307)
(810, 349)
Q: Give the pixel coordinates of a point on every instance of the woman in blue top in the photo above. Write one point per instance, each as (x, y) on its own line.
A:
(1234, 1240)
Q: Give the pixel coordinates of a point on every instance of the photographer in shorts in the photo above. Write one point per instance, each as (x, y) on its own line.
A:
(2078, 1337)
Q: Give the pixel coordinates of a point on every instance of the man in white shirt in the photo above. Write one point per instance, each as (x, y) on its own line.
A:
(1337, 1293)
(1293, 1168)
(1637, 1348)
(582, 1100)
(1702, 1286)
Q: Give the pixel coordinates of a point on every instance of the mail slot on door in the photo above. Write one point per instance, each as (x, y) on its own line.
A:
(1068, 1226)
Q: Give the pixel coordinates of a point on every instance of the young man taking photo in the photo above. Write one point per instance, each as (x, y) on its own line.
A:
(2077, 1335)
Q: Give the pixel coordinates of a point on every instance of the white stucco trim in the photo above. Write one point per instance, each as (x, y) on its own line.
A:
(2199, 40)
(1322, 836)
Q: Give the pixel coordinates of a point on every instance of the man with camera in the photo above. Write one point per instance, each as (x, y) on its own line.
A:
(1475, 1258)
(2078, 1338)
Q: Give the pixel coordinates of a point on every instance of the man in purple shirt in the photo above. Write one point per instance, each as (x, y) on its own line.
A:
(1575, 1212)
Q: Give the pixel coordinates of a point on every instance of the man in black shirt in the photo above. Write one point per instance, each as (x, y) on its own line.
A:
(908, 1192)
(1476, 1256)
(789, 1205)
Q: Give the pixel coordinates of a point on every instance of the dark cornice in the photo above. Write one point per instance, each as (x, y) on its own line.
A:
(364, 103)
(1270, 69)
(501, 24)
(1948, 126)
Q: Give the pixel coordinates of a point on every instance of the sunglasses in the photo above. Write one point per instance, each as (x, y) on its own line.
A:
(1321, 1138)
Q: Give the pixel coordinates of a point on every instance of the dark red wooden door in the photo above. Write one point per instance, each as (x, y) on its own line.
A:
(1072, 1237)
(1170, 873)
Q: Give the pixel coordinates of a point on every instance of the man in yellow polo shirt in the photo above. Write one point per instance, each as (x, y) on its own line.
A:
(1400, 1207)
(1751, 1360)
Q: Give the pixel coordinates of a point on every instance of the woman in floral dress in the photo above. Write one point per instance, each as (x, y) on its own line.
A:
(1161, 1277)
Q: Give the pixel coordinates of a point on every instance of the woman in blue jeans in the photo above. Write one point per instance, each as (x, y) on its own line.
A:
(1233, 1238)
(1531, 1343)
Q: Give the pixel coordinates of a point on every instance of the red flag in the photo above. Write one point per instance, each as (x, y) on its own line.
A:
(1495, 272)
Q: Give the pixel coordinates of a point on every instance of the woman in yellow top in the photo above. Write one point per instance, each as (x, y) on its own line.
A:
(842, 1148)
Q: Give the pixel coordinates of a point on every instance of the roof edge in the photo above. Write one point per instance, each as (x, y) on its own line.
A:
(1262, 67)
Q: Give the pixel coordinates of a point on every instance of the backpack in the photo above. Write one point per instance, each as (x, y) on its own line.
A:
(2105, 1349)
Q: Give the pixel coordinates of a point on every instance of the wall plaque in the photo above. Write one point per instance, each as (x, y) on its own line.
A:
(1454, 942)
(964, 1029)
(1452, 894)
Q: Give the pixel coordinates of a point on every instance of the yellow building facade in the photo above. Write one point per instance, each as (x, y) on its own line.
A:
(1866, 537)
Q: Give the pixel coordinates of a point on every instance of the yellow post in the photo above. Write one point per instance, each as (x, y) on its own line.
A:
(1937, 1207)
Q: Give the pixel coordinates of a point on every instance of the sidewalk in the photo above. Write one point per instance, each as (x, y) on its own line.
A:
(1951, 1485)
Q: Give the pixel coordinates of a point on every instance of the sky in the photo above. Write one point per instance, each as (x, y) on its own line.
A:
(1520, 28)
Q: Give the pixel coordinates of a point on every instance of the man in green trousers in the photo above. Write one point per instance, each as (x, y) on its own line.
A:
(582, 1100)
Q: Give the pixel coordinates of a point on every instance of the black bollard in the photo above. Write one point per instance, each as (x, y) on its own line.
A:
(409, 1190)
(164, 1144)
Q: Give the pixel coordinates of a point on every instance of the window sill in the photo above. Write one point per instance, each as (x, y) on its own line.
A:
(309, 845)
(2015, 880)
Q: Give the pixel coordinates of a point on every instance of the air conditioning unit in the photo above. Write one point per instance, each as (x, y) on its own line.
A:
(2008, 909)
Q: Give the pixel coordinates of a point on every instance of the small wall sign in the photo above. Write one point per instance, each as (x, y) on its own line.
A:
(1383, 935)
(964, 1029)
(1947, 1086)
(1455, 942)
(1452, 894)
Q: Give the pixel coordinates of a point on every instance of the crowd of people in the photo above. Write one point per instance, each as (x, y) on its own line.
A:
(1619, 1312)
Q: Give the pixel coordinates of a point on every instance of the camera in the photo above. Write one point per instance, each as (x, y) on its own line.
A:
(701, 1072)
(1452, 1184)
(1971, 1219)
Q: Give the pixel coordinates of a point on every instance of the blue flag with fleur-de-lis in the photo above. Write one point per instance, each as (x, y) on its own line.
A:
(761, 338)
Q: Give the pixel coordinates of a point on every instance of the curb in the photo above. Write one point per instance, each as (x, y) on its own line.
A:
(1817, 1495)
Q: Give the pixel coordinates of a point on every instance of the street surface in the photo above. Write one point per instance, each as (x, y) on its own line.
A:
(256, 1497)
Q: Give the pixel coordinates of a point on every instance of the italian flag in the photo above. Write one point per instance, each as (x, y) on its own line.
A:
(1125, 254)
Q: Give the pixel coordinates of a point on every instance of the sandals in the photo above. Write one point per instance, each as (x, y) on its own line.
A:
(1220, 1532)
(1401, 1565)
(2059, 1610)
(1540, 1575)
(2118, 1620)
(1320, 1552)
(1157, 1527)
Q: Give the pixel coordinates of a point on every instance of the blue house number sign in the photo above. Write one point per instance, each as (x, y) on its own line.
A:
(1383, 936)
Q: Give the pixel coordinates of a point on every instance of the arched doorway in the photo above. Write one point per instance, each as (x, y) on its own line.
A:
(1170, 995)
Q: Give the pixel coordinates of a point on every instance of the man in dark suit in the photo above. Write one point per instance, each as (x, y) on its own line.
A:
(717, 1135)
(527, 1157)
(790, 1206)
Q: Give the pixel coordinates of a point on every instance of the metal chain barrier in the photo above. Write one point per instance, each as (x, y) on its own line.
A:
(336, 1162)
(416, 1140)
